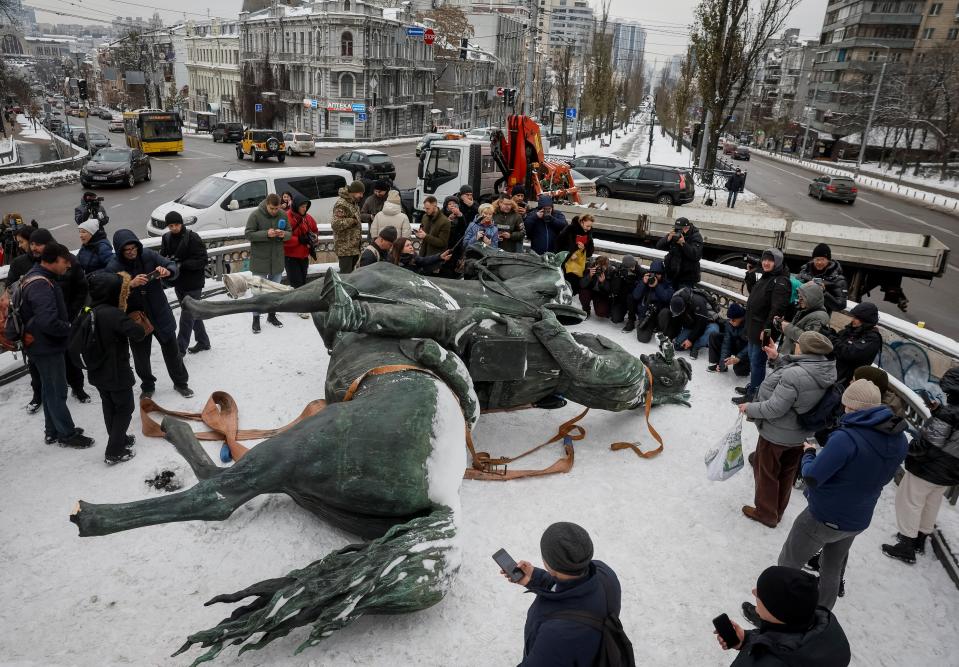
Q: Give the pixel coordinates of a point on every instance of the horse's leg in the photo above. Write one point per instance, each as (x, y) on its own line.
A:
(181, 436)
(304, 299)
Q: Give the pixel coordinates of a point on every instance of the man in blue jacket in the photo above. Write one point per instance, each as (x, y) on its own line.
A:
(650, 297)
(147, 268)
(843, 483)
(572, 581)
(543, 225)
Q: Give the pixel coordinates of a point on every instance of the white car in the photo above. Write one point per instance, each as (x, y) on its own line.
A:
(586, 186)
(299, 143)
(226, 199)
(115, 124)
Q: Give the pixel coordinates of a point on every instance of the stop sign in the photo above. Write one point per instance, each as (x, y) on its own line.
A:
(499, 92)
(429, 36)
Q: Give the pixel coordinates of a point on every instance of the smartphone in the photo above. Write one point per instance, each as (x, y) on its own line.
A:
(153, 275)
(726, 630)
(508, 565)
(767, 336)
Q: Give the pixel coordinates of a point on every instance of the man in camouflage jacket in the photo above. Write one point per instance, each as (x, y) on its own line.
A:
(347, 230)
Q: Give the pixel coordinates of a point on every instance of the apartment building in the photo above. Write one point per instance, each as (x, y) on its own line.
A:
(213, 68)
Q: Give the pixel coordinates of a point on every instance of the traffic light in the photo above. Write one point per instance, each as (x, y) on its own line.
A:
(510, 97)
(82, 88)
(464, 48)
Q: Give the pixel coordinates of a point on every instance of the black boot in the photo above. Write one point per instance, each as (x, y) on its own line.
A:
(813, 563)
(904, 549)
(256, 324)
(750, 613)
(630, 325)
(920, 543)
(271, 318)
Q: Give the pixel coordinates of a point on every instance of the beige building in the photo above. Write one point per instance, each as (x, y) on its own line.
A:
(939, 27)
(213, 68)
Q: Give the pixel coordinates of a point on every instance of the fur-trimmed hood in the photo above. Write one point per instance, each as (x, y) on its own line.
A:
(111, 289)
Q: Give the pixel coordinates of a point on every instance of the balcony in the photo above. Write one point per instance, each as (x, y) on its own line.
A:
(871, 18)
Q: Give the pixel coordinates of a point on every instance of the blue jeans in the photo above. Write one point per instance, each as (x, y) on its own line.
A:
(731, 199)
(57, 420)
(273, 278)
(702, 341)
(757, 366)
(189, 324)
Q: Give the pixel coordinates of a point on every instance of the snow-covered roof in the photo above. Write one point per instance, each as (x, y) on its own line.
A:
(368, 151)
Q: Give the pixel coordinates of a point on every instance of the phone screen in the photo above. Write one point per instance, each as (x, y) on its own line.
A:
(508, 565)
(726, 630)
(153, 275)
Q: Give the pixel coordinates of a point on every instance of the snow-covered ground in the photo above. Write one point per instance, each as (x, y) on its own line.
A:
(679, 543)
(41, 181)
(8, 151)
(928, 181)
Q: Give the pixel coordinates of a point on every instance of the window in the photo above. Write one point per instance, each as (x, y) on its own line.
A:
(953, 33)
(873, 56)
(935, 8)
(630, 174)
(442, 167)
(346, 6)
(249, 195)
(346, 85)
(303, 185)
(928, 32)
(329, 186)
(652, 174)
(346, 44)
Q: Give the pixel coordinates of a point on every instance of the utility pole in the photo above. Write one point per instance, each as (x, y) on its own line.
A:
(704, 141)
(805, 136)
(872, 111)
(652, 123)
(578, 122)
(531, 57)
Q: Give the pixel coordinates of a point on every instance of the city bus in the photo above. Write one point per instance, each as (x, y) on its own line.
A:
(153, 130)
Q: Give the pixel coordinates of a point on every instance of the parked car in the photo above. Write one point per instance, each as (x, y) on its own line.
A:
(116, 166)
(425, 142)
(225, 200)
(729, 148)
(232, 132)
(262, 144)
(661, 184)
(840, 188)
(594, 166)
(54, 124)
(481, 133)
(299, 143)
(105, 114)
(97, 141)
(365, 163)
(115, 124)
(741, 153)
(585, 185)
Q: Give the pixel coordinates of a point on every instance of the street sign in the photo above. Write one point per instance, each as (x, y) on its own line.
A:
(429, 36)
(358, 107)
(257, 107)
(314, 104)
(571, 113)
(414, 31)
(500, 92)
(361, 117)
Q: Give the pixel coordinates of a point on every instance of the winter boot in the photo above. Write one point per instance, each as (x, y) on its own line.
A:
(33, 407)
(271, 318)
(183, 390)
(694, 353)
(904, 549)
(739, 400)
(644, 335)
(81, 395)
(630, 325)
(256, 324)
(742, 391)
(76, 441)
(750, 614)
(920, 543)
(122, 457)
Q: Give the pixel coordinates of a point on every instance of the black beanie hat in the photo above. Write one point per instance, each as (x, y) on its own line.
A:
(41, 236)
(389, 233)
(865, 312)
(566, 548)
(173, 218)
(822, 250)
(789, 594)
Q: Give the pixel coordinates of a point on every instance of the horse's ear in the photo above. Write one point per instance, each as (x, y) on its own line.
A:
(557, 259)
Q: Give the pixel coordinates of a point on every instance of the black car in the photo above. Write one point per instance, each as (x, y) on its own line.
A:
(228, 132)
(97, 141)
(741, 153)
(594, 166)
(661, 184)
(366, 163)
(116, 166)
(105, 114)
(840, 188)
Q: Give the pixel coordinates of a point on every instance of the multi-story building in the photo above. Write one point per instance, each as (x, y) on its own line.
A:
(939, 27)
(464, 93)
(338, 68)
(213, 68)
(563, 22)
(503, 36)
(629, 44)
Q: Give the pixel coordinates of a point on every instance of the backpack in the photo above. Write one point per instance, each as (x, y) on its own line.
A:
(12, 326)
(84, 345)
(826, 412)
(711, 299)
(794, 285)
(615, 649)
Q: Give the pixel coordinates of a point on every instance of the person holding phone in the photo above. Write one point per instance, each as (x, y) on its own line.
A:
(570, 581)
(482, 230)
(792, 628)
(267, 230)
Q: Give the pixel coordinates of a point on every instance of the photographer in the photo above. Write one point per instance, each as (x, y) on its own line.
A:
(826, 271)
(622, 282)
(690, 312)
(594, 288)
(482, 230)
(650, 297)
(90, 208)
(728, 347)
(684, 250)
(544, 225)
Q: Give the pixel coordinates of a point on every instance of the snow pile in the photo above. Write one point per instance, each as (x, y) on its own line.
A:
(37, 181)
(365, 144)
(680, 545)
(930, 181)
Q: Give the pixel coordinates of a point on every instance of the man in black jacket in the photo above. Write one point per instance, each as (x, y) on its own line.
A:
(690, 320)
(46, 332)
(768, 297)
(148, 268)
(734, 185)
(826, 271)
(684, 250)
(858, 343)
(186, 248)
(792, 629)
(109, 366)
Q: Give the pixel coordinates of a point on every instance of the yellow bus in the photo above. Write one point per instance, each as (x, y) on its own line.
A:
(153, 130)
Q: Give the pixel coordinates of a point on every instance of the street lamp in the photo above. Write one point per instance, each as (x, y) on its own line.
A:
(652, 124)
(872, 111)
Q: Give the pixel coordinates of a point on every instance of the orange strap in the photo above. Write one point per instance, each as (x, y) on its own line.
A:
(616, 446)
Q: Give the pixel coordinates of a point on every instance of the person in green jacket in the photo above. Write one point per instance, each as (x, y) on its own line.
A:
(266, 230)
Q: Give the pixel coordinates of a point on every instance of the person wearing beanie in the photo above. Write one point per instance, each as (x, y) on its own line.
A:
(21, 264)
(95, 249)
(374, 203)
(858, 343)
(791, 627)
(650, 298)
(186, 248)
(622, 283)
(434, 231)
(690, 321)
(570, 581)
(728, 348)
(379, 249)
(827, 272)
(932, 466)
(880, 378)
(347, 228)
(768, 298)
(544, 225)
(810, 315)
(518, 195)
(684, 251)
(795, 386)
(843, 484)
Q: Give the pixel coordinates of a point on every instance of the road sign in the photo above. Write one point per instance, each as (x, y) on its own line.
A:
(314, 104)
(500, 92)
(571, 112)
(429, 36)
(257, 107)
(358, 107)
(361, 117)
(415, 31)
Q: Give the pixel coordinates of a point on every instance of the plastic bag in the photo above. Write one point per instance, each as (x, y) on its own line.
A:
(726, 459)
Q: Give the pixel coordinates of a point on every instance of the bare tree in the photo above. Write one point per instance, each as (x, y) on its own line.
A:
(683, 95)
(565, 81)
(599, 98)
(729, 37)
(939, 81)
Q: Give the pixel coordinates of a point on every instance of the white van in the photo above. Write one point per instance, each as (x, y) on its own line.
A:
(226, 199)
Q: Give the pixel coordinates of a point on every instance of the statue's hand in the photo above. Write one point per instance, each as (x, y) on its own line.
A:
(467, 318)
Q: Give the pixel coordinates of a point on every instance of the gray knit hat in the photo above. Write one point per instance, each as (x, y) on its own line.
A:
(357, 187)
(813, 342)
(566, 548)
(861, 395)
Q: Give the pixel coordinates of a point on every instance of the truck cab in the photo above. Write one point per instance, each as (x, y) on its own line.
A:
(447, 165)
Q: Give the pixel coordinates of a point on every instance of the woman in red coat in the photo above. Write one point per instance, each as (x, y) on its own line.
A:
(296, 251)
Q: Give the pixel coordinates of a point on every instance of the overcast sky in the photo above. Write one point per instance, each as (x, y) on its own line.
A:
(666, 21)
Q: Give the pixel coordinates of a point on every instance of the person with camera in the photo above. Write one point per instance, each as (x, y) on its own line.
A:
(301, 244)
(510, 225)
(859, 342)
(727, 347)
(482, 230)
(689, 321)
(826, 271)
(594, 288)
(791, 627)
(148, 305)
(684, 250)
(650, 297)
(544, 224)
(186, 248)
(768, 297)
(810, 315)
(622, 282)
(91, 208)
(374, 203)
(468, 205)
(570, 581)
